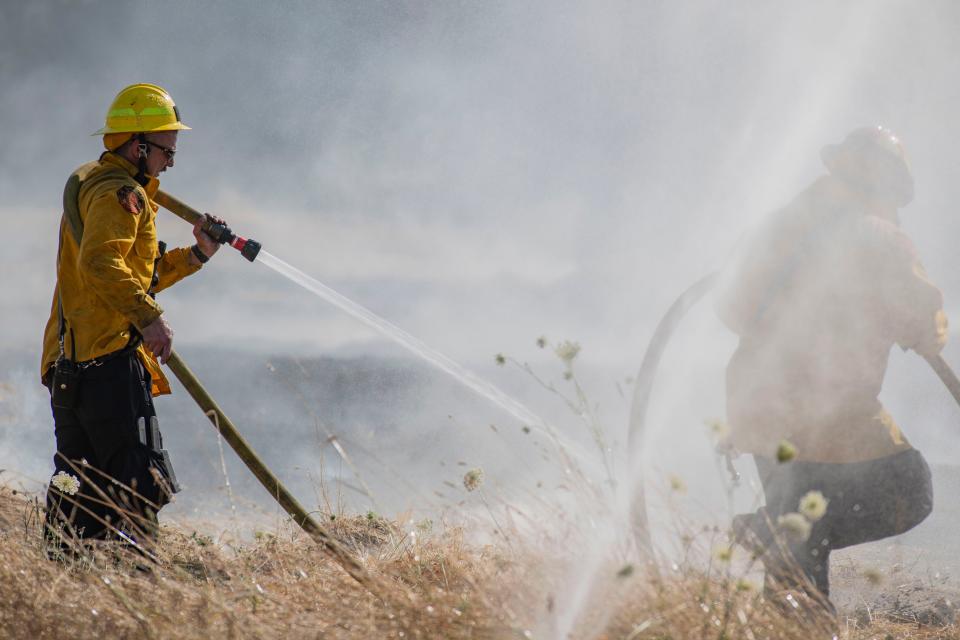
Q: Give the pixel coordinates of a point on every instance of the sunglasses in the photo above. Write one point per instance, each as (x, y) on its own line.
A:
(167, 150)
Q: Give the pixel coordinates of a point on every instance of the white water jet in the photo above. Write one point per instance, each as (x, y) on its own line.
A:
(421, 350)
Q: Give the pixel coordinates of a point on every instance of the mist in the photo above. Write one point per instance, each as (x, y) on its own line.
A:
(479, 174)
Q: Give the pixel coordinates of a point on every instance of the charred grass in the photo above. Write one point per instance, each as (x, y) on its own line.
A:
(281, 585)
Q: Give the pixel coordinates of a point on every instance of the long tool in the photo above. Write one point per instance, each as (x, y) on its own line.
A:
(946, 374)
(269, 481)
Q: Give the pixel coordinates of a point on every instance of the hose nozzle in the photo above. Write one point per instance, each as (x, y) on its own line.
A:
(224, 235)
(249, 249)
(221, 233)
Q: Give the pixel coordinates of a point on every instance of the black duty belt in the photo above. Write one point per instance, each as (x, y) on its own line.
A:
(131, 347)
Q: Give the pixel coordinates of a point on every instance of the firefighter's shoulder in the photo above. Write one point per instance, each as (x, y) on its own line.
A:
(103, 182)
(887, 238)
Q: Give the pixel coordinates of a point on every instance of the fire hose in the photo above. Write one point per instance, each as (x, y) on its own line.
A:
(644, 387)
(249, 249)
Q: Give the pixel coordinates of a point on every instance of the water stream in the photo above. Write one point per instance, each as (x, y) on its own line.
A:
(421, 350)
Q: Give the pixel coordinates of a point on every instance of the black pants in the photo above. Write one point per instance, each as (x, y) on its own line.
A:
(868, 501)
(99, 442)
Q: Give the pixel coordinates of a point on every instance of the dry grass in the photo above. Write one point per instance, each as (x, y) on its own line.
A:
(283, 586)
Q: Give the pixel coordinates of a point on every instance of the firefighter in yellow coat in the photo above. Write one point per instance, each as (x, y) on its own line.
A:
(106, 332)
(818, 298)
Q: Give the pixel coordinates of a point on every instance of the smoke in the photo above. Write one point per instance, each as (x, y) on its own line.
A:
(480, 175)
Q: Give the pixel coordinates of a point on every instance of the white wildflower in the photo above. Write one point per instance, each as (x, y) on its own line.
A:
(65, 483)
(813, 505)
(794, 526)
(723, 553)
(473, 479)
(745, 585)
(567, 351)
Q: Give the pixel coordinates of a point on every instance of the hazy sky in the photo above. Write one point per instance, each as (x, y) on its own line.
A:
(478, 173)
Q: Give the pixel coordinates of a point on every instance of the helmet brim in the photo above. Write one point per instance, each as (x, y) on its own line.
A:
(173, 126)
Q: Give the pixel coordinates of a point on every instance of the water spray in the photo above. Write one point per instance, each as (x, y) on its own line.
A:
(644, 387)
(251, 250)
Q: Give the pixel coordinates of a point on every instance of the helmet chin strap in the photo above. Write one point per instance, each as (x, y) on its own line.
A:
(141, 176)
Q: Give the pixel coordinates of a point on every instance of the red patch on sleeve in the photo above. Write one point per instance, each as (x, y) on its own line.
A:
(130, 199)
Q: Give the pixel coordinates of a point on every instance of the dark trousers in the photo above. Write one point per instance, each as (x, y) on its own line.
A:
(99, 442)
(868, 501)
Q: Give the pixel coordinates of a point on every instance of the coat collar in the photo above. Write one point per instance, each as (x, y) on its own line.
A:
(108, 157)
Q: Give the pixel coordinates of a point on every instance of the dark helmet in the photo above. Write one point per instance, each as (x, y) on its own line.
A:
(873, 160)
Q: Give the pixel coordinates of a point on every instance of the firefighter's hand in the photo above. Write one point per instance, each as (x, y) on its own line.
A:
(158, 337)
(205, 243)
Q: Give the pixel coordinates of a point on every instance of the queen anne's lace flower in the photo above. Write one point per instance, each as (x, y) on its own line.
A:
(567, 351)
(473, 479)
(794, 526)
(813, 505)
(65, 483)
(723, 553)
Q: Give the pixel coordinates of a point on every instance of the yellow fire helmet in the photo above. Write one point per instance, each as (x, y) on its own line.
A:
(142, 108)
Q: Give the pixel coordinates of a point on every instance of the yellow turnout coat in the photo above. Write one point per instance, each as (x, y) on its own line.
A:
(105, 282)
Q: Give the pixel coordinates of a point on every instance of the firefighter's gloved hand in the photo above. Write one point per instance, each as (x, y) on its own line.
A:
(207, 245)
(158, 337)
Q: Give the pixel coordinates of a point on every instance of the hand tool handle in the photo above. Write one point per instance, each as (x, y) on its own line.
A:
(260, 470)
(177, 207)
(946, 374)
